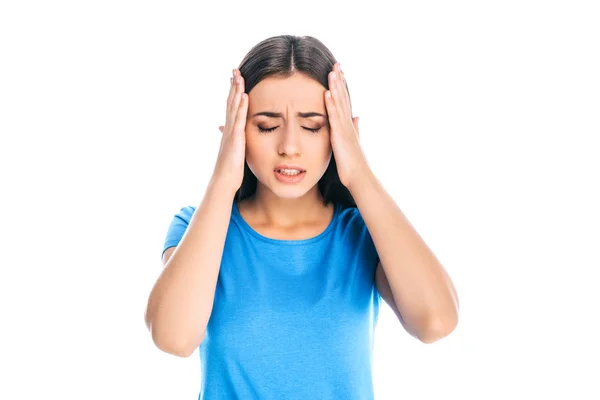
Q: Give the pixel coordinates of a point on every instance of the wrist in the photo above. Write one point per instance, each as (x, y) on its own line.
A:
(223, 185)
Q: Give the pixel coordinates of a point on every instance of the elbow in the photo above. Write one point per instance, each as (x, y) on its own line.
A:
(168, 342)
(437, 329)
(175, 350)
(177, 346)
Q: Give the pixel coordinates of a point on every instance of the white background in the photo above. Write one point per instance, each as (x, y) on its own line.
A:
(480, 118)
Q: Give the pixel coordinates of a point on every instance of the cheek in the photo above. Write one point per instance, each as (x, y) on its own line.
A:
(256, 150)
(324, 146)
(251, 149)
(252, 142)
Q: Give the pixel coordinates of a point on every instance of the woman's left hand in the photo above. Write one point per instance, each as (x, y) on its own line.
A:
(343, 129)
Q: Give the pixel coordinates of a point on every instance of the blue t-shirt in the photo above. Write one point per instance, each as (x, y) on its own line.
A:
(291, 319)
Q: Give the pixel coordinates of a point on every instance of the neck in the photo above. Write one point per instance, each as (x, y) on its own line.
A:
(287, 212)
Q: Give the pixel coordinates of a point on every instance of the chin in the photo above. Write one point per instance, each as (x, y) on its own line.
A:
(285, 190)
(294, 193)
(288, 191)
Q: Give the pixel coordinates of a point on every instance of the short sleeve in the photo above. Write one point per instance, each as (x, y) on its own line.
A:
(177, 227)
(370, 257)
(367, 240)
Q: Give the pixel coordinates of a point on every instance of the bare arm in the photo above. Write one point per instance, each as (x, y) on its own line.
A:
(409, 273)
(180, 304)
(181, 301)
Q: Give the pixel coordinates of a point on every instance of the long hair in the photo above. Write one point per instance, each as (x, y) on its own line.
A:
(283, 56)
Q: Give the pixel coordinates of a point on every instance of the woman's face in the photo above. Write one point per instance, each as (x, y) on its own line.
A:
(293, 137)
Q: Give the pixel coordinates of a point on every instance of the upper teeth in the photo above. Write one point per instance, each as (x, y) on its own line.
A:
(289, 171)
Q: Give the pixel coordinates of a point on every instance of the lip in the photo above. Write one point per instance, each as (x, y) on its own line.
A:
(289, 179)
(289, 166)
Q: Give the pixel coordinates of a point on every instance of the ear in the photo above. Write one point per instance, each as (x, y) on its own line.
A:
(355, 123)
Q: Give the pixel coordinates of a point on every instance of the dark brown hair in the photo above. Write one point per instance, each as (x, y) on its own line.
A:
(283, 56)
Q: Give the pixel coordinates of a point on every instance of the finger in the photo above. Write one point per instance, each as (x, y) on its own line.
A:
(331, 109)
(240, 121)
(336, 87)
(231, 92)
(342, 89)
(231, 88)
(235, 103)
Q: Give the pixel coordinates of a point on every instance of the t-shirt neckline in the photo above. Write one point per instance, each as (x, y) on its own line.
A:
(292, 242)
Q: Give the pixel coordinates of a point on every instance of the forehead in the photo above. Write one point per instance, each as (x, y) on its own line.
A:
(297, 90)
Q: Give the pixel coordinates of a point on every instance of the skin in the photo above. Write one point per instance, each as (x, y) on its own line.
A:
(283, 210)
(409, 276)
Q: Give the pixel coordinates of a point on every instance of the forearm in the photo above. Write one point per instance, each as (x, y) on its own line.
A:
(422, 290)
(181, 301)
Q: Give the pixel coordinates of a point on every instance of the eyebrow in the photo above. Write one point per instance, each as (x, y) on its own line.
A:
(280, 115)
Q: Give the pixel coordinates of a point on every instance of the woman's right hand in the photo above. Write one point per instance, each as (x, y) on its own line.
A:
(229, 167)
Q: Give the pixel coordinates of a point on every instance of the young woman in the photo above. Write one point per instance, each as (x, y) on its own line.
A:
(277, 276)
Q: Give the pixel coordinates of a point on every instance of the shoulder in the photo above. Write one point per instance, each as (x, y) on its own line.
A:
(353, 226)
(184, 214)
(350, 217)
(177, 227)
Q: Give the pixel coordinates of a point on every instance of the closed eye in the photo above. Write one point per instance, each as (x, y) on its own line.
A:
(265, 130)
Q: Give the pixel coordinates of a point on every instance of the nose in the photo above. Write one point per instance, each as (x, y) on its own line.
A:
(289, 141)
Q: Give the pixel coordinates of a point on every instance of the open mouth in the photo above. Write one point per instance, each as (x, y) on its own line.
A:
(289, 172)
(289, 175)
